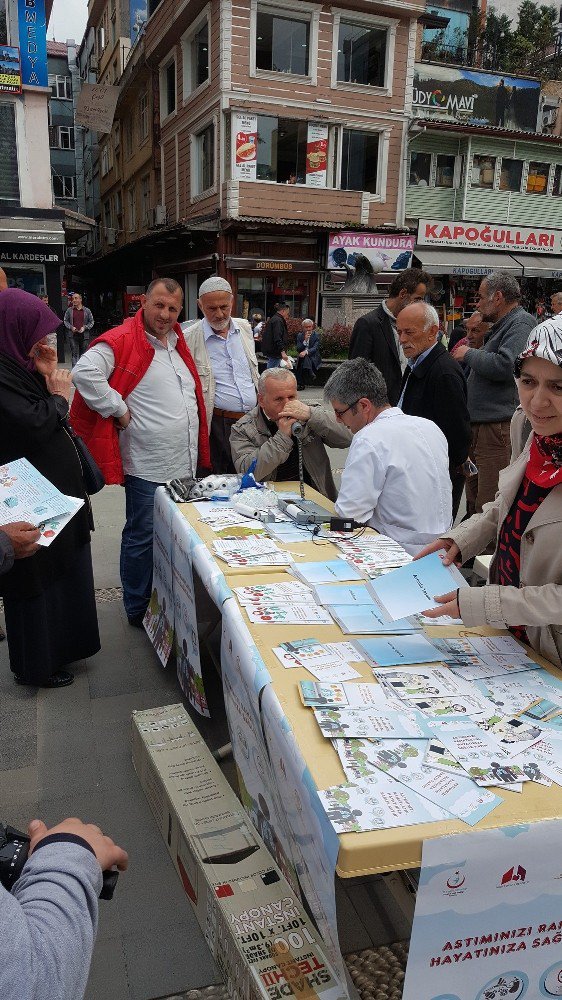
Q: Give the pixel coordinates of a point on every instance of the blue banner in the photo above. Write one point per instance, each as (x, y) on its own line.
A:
(32, 25)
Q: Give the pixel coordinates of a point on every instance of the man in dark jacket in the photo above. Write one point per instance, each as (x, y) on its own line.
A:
(492, 393)
(374, 335)
(433, 386)
(275, 336)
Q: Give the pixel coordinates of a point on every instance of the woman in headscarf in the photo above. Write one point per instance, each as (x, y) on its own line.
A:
(49, 600)
(524, 591)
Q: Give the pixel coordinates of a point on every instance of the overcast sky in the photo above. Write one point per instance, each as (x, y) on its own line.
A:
(68, 20)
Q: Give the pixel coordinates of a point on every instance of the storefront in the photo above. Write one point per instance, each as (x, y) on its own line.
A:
(259, 284)
(460, 254)
(32, 252)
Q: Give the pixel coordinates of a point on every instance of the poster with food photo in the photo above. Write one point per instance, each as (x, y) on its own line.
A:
(245, 131)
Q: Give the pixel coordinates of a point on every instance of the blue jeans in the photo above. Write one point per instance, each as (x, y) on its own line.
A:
(273, 362)
(136, 544)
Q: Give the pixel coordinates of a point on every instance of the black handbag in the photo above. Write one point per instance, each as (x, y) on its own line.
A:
(91, 473)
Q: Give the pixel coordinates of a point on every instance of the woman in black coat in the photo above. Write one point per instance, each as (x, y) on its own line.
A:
(308, 351)
(49, 599)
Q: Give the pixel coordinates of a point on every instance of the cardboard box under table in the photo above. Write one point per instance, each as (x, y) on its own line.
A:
(378, 851)
(257, 931)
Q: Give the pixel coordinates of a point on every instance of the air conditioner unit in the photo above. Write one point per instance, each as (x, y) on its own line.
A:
(549, 117)
(111, 236)
(160, 215)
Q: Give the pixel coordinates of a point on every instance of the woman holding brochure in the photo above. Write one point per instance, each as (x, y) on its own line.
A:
(49, 600)
(524, 591)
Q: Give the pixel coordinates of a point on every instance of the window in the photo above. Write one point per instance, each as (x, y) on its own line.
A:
(66, 137)
(557, 187)
(61, 87)
(420, 169)
(483, 171)
(195, 48)
(361, 54)
(445, 171)
(143, 116)
(118, 206)
(128, 137)
(132, 200)
(3, 24)
(281, 150)
(359, 161)
(537, 178)
(9, 178)
(64, 187)
(145, 199)
(105, 160)
(168, 89)
(100, 37)
(510, 174)
(204, 160)
(107, 219)
(282, 43)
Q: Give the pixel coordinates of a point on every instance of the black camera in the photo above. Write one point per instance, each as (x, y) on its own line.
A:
(14, 852)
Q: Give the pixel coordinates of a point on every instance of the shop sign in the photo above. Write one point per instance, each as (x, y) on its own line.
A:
(452, 93)
(95, 106)
(316, 155)
(255, 264)
(32, 26)
(244, 146)
(530, 239)
(10, 70)
(385, 251)
(18, 253)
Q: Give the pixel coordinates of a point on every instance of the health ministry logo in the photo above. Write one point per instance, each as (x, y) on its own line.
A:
(454, 884)
(514, 875)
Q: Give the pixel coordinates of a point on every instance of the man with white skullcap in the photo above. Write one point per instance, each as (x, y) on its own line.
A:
(225, 356)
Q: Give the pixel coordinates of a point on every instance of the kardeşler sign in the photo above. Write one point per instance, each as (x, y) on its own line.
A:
(476, 236)
(454, 93)
(385, 251)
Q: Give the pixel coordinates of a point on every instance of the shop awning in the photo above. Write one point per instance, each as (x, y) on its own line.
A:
(468, 263)
(539, 265)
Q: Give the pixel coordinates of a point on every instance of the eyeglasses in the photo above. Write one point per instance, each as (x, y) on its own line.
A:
(340, 413)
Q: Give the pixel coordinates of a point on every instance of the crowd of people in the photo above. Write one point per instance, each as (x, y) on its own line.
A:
(155, 400)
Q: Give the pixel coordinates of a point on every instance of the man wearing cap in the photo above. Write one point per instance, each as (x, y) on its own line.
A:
(224, 352)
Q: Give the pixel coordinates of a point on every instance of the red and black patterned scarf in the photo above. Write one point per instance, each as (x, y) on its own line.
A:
(543, 472)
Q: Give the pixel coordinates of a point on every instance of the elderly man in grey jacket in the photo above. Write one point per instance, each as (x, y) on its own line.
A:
(492, 395)
(265, 435)
(224, 352)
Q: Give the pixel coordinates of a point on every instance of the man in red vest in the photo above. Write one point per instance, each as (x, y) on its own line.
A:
(139, 407)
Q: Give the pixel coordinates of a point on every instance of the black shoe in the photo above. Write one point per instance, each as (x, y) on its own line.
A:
(60, 679)
(136, 621)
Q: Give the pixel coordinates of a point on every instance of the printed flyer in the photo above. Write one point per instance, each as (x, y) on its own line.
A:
(488, 919)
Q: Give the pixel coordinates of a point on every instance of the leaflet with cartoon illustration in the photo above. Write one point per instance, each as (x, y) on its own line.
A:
(274, 593)
(365, 722)
(353, 808)
(317, 695)
(413, 588)
(543, 757)
(482, 758)
(512, 733)
(397, 650)
(427, 682)
(454, 705)
(332, 571)
(310, 653)
(440, 758)
(25, 495)
(454, 792)
(288, 614)
(250, 552)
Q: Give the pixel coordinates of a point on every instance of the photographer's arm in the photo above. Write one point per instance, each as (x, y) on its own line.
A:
(48, 922)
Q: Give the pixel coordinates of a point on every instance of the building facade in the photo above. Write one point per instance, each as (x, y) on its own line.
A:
(32, 237)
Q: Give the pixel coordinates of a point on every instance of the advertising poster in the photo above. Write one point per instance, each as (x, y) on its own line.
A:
(159, 617)
(488, 917)
(32, 28)
(257, 781)
(314, 842)
(10, 70)
(453, 93)
(385, 251)
(316, 155)
(185, 618)
(244, 146)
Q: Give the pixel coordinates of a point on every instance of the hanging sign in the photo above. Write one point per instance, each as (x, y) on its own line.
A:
(316, 155)
(245, 146)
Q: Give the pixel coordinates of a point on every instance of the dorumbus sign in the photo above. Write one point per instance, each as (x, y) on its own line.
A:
(497, 236)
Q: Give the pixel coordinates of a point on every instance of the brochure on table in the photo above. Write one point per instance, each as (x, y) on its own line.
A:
(25, 495)
(487, 919)
(413, 588)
